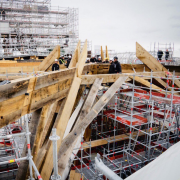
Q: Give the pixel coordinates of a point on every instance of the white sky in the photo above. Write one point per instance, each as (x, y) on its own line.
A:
(120, 23)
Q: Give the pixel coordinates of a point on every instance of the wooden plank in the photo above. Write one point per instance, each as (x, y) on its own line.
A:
(63, 162)
(89, 79)
(17, 64)
(23, 167)
(19, 87)
(147, 84)
(49, 120)
(43, 151)
(28, 96)
(39, 132)
(82, 60)
(76, 56)
(62, 120)
(102, 54)
(107, 54)
(151, 62)
(55, 54)
(11, 109)
(117, 138)
(72, 137)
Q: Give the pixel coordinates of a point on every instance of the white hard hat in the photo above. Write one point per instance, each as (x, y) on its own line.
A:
(69, 57)
(99, 57)
(56, 60)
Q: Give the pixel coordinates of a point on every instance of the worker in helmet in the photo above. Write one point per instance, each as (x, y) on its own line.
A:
(61, 60)
(106, 60)
(88, 60)
(99, 60)
(55, 66)
(160, 54)
(68, 61)
(117, 65)
(93, 59)
(111, 68)
(166, 54)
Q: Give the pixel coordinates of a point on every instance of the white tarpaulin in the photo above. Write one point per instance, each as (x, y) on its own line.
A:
(164, 167)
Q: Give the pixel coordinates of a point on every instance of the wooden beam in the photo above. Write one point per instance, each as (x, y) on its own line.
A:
(28, 96)
(72, 137)
(102, 54)
(62, 120)
(43, 151)
(89, 79)
(49, 121)
(63, 162)
(12, 109)
(76, 56)
(39, 133)
(147, 84)
(107, 54)
(55, 54)
(117, 138)
(23, 167)
(151, 62)
(19, 86)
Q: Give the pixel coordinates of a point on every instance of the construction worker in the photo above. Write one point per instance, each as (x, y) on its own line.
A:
(159, 54)
(61, 60)
(87, 60)
(3, 15)
(106, 60)
(68, 61)
(166, 54)
(99, 60)
(55, 66)
(93, 59)
(117, 65)
(111, 68)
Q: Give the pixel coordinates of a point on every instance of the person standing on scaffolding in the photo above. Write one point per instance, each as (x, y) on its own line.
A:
(3, 15)
(166, 54)
(159, 54)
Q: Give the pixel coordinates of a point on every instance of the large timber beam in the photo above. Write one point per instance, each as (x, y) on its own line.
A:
(102, 54)
(62, 120)
(72, 137)
(22, 170)
(107, 54)
(89, 79)
(12, 109)
(63, 162)
(151, 62)
(76, 56)
(49, 60)
(19, 87)
(122, 137)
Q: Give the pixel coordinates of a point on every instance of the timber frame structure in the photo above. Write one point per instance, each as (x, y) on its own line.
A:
(55, 101)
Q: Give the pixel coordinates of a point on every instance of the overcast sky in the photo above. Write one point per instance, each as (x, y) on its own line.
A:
(120, 23)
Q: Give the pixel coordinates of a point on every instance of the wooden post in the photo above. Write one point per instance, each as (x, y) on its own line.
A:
(107, 54)
(63, 162)
(72, 137)
(49, 60)
(102, 54)
(62, 120)
(151, 62)
(23, 168)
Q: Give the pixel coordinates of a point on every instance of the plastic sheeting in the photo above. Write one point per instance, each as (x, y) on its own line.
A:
(164, 167)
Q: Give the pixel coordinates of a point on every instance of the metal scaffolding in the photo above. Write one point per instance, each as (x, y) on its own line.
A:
(35, 28)
(138, 124)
